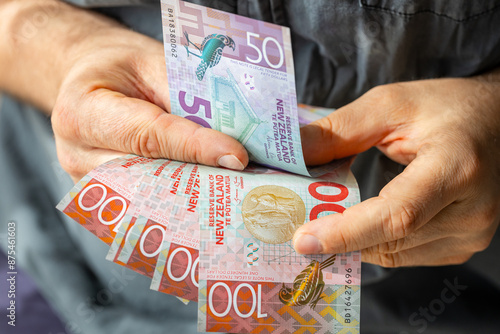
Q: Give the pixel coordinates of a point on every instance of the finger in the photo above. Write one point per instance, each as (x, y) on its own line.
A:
(113, 121)
(152, 73)
(440, 252)
(355, 127)
(404, 205)
(449, 222)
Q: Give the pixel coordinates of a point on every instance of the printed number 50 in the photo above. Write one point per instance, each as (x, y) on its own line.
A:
(263, 53)
(195, 108)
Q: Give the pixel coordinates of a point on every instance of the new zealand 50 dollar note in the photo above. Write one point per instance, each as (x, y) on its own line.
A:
(235, 75)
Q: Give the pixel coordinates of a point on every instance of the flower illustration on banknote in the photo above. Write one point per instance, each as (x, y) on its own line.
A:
(248, 81)
(308, 286)
(210, 51)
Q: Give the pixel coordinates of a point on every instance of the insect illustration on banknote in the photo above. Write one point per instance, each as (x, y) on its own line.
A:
(210, 51)
(308, 285)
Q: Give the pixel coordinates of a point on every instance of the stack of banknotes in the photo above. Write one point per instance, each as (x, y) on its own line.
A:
(219, 237)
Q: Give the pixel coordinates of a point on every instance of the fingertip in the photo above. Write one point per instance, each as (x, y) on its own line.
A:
(325, 235)
(227, 151)
(314, 146)
(230, 161)
(305, 243)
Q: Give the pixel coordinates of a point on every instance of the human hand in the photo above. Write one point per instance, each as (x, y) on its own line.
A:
(114, 99)
(445, 205)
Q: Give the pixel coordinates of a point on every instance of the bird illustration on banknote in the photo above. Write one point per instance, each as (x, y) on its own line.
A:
(308, 286)
(210, 51)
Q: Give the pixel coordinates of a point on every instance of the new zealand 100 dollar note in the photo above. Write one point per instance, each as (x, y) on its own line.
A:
(100, 200)
(148, 218)
(251, 278)
(176, 271)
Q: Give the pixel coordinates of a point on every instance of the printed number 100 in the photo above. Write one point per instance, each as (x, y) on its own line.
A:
(330, 205)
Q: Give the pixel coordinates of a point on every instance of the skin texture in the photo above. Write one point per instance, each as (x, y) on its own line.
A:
(106, 90)
(115, 99)
(445, 205)
(104, 86)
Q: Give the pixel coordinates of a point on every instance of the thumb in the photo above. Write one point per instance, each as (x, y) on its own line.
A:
(351, 129)
(119, 123)
(403, 206)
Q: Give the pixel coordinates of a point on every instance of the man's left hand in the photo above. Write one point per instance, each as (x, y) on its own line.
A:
(445, 205)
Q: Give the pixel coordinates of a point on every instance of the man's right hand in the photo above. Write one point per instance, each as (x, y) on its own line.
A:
(112, 99)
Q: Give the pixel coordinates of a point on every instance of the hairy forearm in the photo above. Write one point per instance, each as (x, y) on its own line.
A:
(39, 40)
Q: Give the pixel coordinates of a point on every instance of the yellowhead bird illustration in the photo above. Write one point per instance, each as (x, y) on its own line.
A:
(308, 285)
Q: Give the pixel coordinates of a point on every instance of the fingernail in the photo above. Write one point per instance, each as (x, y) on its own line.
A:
(307, 244)
(230, 161)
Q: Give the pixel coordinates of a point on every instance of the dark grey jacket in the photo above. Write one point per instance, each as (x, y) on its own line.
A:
(342, 48)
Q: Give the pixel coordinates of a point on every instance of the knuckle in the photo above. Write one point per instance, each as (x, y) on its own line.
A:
(388, 95)
(70, 164)
(145, 140)
(482, 243)
(393, 246)
(483, 220)
(481, 224)
(330, 127)
(401, 220)
(393, 102)
(63, 121)
(343, 242)
(188, 148)
(470, 166)
(390, 260)
(407, 219)
(145, 143)
(459, 259)
(491, 215)
(162, 140)
(57, 114)
(193, 146)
